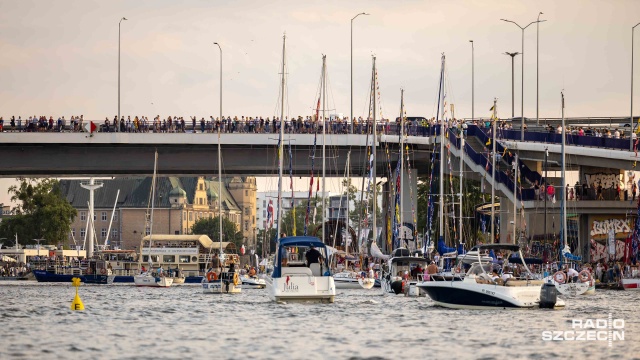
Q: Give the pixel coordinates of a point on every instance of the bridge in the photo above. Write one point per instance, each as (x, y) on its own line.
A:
(597, 160)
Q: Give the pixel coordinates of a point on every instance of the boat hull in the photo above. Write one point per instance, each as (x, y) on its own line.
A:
(366, 283)
(252, 282)
(221, 287)
(631, 284)
(178, 280)
(302, 288)
(151, 281)
(45, 276)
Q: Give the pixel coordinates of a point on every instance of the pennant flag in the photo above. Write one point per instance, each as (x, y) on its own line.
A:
(488, 142)
(493, 107)
(270, 214)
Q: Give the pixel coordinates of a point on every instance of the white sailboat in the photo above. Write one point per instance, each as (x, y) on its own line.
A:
(219, 281)
(291, 279)
(150, 278)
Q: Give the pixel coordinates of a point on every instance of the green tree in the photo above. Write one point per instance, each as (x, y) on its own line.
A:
(211, 228)
(266, 241)
(41, 212)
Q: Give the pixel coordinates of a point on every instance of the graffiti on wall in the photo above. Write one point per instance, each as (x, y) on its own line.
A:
(602, 227)
(601, 252)
(608, 181)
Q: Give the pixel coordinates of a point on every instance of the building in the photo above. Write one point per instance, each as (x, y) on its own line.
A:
(338, 207)
(243, 190)
(262, 204)
(179, 203)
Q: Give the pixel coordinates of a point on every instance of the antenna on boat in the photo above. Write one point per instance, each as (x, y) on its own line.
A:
(280, 147)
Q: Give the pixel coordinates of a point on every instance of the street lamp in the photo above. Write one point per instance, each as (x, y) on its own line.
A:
(631, 118)
(351, 118)
(513, 55)
(537, 67)
(120, 22)
(522, 52)
(215, 43)
(472, 82)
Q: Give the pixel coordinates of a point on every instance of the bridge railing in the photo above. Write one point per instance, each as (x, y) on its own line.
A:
(579, 140)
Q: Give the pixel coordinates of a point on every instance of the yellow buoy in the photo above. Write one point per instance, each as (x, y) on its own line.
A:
(77, 303)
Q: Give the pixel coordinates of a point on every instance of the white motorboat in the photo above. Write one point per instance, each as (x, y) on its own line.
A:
(478, 290)
(179, 280)
(252, 282)
(631, 283)
(403, 273)
(367, 282)
(148, 279)
(347, 280)
(292, 280)
(472, 256)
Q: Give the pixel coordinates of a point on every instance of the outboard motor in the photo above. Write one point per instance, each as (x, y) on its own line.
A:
(548, 296)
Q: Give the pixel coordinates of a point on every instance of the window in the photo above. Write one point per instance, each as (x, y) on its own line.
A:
(82, 233)
(246, 193)
(177, 232)
(103, 233)
(201, 186)
(83, 216)
(246, 226)
(73, 232)
(184, 259)
(95, 217)
(115, 216)
(210, 215)
(184, 217)
(264, 203)
(190, 216)
(200, 215)
(103, 216)
(168, 258)
(114, 233)
(147, 231)
(246, 211)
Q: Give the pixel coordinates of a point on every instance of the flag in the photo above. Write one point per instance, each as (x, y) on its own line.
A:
(493, 107)
(270, 214)
(488, 142)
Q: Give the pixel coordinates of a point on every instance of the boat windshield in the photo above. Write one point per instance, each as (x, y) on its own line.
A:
(476, 269)
(293, 256)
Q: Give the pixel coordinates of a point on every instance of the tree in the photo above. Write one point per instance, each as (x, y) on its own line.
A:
(301, 213)
(211, 228)
(41, 212)
(266, 241)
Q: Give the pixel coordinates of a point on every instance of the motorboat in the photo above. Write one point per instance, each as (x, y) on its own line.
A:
(472, 256)
(403, 273)
(293, 280)
(478, 290)
(148, 279)
(347, 280)
(178, 280)
(252, 282)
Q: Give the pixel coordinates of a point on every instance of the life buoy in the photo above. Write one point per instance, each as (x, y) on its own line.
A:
(584, 276)
(103, 271)
(236, 279)
(560, 277)
(211, 276)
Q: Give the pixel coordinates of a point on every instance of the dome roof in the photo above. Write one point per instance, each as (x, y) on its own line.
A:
(177, 192)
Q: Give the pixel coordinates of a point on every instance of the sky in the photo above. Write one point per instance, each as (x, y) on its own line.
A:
(60, 57)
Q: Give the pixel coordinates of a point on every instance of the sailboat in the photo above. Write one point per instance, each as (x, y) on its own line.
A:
(292, 279)
(562, 282)
(149, 277)
(219, 281)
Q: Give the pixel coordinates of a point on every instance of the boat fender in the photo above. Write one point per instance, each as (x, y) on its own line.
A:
(560, 277)
(103, 271)
(584, 276)
(236, 279)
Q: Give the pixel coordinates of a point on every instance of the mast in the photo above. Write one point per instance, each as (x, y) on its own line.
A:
(515, 195)
(220, 197)
(564, 169)
(460, 189)
(401, 165)
(324, 125)
(280, 148)
(153, 196)
(347, 214)
(493, 174)
(442, 137)
(373, 152)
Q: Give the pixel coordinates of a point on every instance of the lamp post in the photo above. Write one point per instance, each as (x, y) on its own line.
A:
(513, 55)
(120, 22)
(472, 82)
(351, 118)
(631, 117)
(215, 43)
(522, 52)
(537, 67)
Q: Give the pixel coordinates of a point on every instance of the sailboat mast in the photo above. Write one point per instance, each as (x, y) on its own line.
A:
(348, 234)
(564, 169)
(373, 152)
(460, 185)
(442, 137)
(493, 173)
(153, 196)
(280, 148)
(401, 164)
(324, 131)
(515, 195)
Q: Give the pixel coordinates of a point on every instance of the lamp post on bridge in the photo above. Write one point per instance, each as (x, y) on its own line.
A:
(351, 118)
(513, 55)
(215, 43)
(537, 67)
(472, 81)
(120, 22)
(522, 52)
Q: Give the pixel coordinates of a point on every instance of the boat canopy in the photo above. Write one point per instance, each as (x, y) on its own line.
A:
(302, 241)
(411, 259)
(517, 259)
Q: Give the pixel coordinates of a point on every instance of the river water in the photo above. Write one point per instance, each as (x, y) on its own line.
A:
(125, 322)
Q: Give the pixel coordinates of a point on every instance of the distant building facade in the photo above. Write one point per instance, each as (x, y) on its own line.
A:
(262, 205)
(179, 203)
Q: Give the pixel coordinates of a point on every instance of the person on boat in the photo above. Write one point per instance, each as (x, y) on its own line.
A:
(432, 268)
(252, 272)
(494, 275)
(313, 256)
(143, 270)
(572, 274)
(232, 268)
(160, 271)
